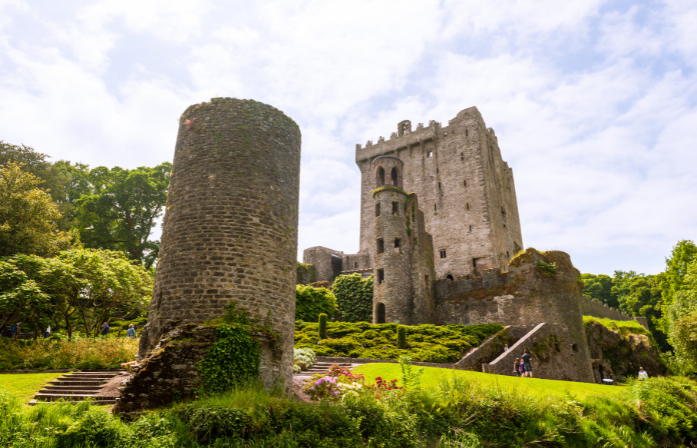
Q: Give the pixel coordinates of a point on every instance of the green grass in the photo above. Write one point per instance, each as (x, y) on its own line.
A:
(26, 385)
(434, 376)
(622, 326)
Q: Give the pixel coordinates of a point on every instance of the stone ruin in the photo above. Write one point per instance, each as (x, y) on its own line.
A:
(230, 233)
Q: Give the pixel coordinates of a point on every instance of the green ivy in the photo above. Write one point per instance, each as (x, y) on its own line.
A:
(235, 356)
(550, 268)
(310, 302)
(354, 297)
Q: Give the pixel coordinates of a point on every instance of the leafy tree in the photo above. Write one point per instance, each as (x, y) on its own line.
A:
(21, 298)
(28, 217)
(680, 322)
(104, 282)
(310, 302)
(599, 287)
(354, 297)
(121, 210)
(682, 255)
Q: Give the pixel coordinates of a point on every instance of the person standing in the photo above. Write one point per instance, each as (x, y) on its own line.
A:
(526, 363)
(47, 333)
(131, 333)
(642, 374)
(505, 348)
(105, 329)
(516, 367)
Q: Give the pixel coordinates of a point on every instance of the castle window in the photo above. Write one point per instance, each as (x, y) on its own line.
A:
(395, 208)
(449, 277)
(442, 253)
(429, 153)
(381, 276)
(381, 245)
(504, 225)
(381, 177)
(465, 183)
(470, 227)
(437, 170)
(503, 211)
(395, 177)
(462, 156)
(466, 133)
(439, 185)
(377, 209)
(380, 313)
(574, 347)
(397, 242)
(467, 206)
(435, 207)
(356, 265)
(426, 280)
(508, 255)
(474, 262)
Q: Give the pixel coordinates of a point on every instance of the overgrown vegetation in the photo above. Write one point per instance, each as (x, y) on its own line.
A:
(656, 412)
(425, 343)
(310, 302)
(80, 353)
(354, 297)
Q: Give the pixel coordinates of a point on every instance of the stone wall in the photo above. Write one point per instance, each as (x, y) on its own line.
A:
(596, 308)
(465, 189)
(305, 274)
(328, 263)
(230, 228)
(485, 353)
(553, 356)
(525, 295)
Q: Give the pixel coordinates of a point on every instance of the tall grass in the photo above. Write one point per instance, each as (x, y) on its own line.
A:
(459, 413)
(81, 353)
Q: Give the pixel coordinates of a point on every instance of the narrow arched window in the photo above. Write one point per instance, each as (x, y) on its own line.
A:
(381, 177)
(380, 313)
(449, 277)
(395, 177)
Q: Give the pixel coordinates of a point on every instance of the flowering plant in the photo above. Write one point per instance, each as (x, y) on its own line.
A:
(325, 387)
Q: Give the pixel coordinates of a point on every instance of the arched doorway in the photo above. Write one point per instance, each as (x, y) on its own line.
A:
(381, 313)
(395, 177)
(449, 277)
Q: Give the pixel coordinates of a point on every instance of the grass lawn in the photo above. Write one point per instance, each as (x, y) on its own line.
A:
(432, 376)
(25, 385)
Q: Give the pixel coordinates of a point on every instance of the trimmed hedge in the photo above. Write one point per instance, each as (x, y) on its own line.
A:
(426, 343)
(354, 297)
(310, 302)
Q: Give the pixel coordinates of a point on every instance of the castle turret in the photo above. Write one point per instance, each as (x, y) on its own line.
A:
(403, 264)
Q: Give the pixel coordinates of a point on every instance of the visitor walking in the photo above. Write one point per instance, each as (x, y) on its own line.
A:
(16, 332)
(131, 333)
(505, 348)
(516, 367)
(526, 363)
(521, 369)
(47, 333)
(105, 329)
(642, 374)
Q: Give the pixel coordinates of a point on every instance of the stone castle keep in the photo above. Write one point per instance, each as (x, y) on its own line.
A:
(441, 234)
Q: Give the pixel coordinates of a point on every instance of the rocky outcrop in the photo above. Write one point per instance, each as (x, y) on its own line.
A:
(170, 372)
(617, 354)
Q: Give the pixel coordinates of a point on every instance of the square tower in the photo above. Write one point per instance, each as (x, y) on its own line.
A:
(465, 189)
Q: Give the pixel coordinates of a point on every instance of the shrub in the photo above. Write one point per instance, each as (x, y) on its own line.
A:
(304, 358)
(310, 302)
(323, 326)
(402, 338)
(354, 297)
(425, 343)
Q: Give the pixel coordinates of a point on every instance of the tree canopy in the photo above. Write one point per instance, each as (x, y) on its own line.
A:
(310, 302)
(28, 216)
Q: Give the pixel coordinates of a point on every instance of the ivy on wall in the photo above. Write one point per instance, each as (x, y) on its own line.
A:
(354, 297)
(235, 356)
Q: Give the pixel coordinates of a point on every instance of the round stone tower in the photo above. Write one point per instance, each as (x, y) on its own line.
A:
(231, 224)
(392, 294)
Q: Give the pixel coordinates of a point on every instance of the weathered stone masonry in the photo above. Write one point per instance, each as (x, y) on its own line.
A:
(231, 223)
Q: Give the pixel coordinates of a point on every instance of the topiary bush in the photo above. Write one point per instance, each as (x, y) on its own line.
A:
(354, 297)
(402, 338)
(424, 343)
(323, 326)
(310, 302)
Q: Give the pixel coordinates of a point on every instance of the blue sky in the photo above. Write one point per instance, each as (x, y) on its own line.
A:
(594, 102)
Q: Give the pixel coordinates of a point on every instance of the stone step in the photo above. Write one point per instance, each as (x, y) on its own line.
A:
(96, 377)
(110, 401)
(77, 383)
(72, 397)
(69, 388)
(69, 392)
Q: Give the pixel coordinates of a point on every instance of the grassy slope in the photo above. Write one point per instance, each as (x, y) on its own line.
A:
(525, 386)
(26, 385)
(623, 326)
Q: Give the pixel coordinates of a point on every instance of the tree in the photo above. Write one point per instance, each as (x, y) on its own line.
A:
(28, 216)
(104, 282)
(354, 297)
(682, 255)
(310, 302)
(599, 287)
(21, 298)
(121, 210)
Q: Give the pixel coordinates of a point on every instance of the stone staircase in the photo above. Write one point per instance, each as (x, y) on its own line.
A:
(76, 387)
(321, 367)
